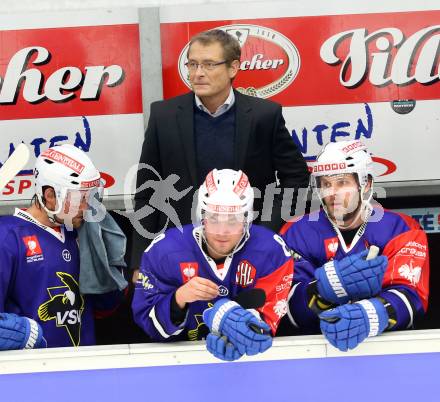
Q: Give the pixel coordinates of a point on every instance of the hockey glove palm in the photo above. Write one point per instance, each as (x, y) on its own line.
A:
(20, 333)
(352, 278)
(347, 326)
(221, 348)
(245, 331)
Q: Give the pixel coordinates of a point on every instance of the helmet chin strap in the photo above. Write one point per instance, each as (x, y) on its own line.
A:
(360, 213)
(52, 215)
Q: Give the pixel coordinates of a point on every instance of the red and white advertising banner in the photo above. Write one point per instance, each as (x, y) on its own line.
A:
(77, 84)
(368, 76)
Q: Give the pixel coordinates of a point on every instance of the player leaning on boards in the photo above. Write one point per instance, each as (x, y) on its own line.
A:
(350, 296)
(192, 276)
(40, 302)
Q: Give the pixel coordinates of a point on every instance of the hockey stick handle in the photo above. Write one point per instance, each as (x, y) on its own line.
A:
(14, 164)
(372, 253)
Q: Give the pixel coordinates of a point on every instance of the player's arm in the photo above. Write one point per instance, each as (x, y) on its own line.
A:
(354, 277)
(196, 289)
(404, 296)
(346, 326)
(276, 283)
(236, 331)
(405, 288)
(160, 301)
(314, 290)
(16, 332)
(302, 297)
(299, 312)
(152, 302)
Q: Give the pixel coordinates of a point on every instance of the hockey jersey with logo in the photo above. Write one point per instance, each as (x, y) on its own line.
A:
(406, 281)
(174, 258)
(39, 271)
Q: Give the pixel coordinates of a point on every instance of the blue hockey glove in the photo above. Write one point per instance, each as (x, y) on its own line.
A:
(221, 348)
(352, 278)
(245, 331)
(20, 333)
(347, 326)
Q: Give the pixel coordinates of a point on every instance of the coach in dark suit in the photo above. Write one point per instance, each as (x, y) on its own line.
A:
(212, 127)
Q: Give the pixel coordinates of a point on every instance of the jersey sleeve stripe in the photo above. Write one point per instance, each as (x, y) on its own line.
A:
(289, 313)
(159, 327)
(407, 304)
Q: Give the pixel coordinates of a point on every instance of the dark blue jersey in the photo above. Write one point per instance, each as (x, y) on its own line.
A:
(39, 270)
(175, 257)
(399, 237)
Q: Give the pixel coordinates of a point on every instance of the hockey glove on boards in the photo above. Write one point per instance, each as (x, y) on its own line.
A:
(221, 348)
(20, 333)
(351, 278)
(243, 330)
(347, 326)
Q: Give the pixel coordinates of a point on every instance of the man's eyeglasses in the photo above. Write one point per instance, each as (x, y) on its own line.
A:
(208, 65)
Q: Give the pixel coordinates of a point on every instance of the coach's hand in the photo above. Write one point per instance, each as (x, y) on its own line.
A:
(196, 289)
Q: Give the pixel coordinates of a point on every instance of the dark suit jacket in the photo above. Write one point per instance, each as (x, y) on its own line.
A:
(264, 150)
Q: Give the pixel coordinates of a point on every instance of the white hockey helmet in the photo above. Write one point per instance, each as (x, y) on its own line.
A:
(226, 191)
(64, 168)
(342, 157)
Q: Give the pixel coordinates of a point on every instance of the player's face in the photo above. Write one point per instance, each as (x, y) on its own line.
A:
(341, 196)
(223, 232)
(75, 204)
(215, 84)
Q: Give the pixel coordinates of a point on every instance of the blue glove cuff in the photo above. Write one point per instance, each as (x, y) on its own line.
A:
(329, 284)
(377, 316)
(214, 317)
(19, 333)
(33, 338)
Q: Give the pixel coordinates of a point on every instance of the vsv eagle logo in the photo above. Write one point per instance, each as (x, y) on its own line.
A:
(65, 306)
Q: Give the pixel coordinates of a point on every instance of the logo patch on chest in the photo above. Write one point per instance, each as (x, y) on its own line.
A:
(245, 274)
(66, 255)
(189, 270)
(331, 247)
(33, 249)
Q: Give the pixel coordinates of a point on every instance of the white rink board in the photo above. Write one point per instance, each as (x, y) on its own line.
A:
(411, 141)
(184, 353)
(114, 145)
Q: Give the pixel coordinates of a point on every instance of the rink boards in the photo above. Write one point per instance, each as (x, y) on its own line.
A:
(401, 366)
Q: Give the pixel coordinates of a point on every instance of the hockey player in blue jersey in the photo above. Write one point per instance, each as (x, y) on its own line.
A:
(339, 285)
(40, 302)
(191, 279)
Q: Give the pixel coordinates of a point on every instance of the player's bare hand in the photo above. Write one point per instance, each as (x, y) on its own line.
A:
(195, 289)
(135, 276)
